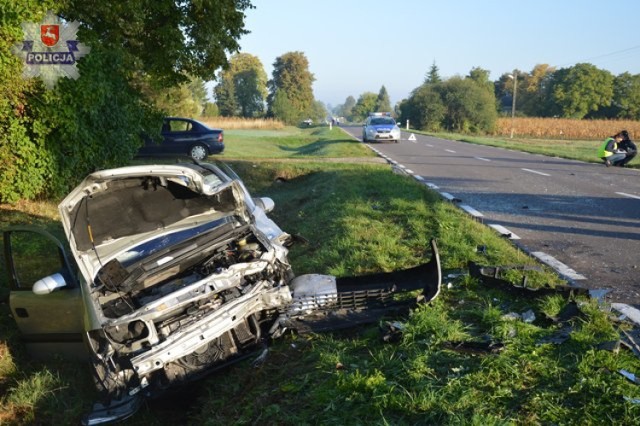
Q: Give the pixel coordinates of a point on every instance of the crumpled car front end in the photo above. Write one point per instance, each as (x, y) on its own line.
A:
(179, 277)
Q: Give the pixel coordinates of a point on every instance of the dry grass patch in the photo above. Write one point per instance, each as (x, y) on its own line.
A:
(228, 123)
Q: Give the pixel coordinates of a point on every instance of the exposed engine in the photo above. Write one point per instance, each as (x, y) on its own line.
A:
(154, 303)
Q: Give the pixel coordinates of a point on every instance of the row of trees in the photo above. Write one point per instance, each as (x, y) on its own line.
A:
(580, 91)
(472, 103)
(244, 91)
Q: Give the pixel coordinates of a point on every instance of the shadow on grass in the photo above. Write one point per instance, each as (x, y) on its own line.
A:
(315, 148)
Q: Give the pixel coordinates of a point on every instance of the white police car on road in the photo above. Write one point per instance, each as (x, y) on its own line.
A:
(380, 126)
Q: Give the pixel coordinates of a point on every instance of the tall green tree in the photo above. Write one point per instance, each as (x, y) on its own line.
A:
(383, 103)
(433, 75)
(626, 96)
(291, 76)
(481, 77)
(225, 94)
(534, 90)
(580, 90)
(424, 108)
(366, 103)
(283, 108)
(249, 80)
(469, 106)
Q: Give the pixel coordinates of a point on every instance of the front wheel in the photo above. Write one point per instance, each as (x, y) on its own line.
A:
(198, 152)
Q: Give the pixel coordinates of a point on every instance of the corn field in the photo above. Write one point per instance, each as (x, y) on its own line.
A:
(564, 128)
(228, 123)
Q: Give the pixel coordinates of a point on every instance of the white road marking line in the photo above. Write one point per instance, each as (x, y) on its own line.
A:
(558, 266)
(447, 196)
(480, 158)
(536, 172)
(628, 195)
(402, 166)
(504, 231)
(471, 210)
(418, 177)
(432, 185)
(409, 171)
(450, 150)
(430, 146)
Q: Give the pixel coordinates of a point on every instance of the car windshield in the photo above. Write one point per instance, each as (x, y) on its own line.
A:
(382, 120)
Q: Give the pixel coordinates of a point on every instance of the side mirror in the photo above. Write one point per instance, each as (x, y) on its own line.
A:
(265, 203)
(49, 284)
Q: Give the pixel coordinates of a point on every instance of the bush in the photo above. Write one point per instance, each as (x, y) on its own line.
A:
(49, 140)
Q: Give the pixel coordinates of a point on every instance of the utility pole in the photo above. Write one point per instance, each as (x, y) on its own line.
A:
(513, 99)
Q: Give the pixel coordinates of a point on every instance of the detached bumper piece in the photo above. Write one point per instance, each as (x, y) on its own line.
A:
(324, 303)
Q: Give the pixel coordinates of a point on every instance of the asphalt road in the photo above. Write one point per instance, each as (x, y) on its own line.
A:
(584, 216)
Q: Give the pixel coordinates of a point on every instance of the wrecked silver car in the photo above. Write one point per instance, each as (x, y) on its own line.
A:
(174, 271)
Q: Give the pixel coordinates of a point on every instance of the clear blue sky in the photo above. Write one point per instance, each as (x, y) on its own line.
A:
(356, 46)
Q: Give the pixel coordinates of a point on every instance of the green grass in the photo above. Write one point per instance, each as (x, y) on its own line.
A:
(361, 218)
(292, 143)
(583, 150)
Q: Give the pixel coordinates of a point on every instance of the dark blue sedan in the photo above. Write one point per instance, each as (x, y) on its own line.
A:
(184, 136)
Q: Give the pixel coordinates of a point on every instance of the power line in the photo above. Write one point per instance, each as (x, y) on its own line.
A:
(617, 52)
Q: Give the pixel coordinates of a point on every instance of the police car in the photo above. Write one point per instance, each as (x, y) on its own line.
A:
(380, 126)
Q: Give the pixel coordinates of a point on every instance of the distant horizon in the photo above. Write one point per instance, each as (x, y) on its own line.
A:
(357, 48)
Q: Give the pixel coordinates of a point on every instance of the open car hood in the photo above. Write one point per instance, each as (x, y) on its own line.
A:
(114, 210)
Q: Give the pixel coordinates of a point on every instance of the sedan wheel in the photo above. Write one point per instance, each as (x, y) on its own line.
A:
(198, 152)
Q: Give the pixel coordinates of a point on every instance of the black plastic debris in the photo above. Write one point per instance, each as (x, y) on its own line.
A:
(490, 276)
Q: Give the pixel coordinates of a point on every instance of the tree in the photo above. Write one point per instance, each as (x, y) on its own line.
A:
(481, 77)
(366, 103)
(383, 103)
(184, 100)
(225, 94)
(533, 90)
(424, 108)
(469, 106)
(318, 112)
(165, 39)
(210, 110)
(433, 75)
(291, 77)
(246, 81)
(283, 108)
(345, 110)
(580, 90)
(626, 96)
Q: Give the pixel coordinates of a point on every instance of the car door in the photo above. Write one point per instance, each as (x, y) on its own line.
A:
(49, 322)
(177, 136)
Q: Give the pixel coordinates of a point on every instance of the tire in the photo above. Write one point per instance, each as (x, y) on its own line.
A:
(364, 138)
(198, 152)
